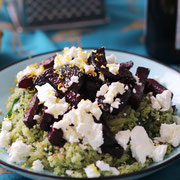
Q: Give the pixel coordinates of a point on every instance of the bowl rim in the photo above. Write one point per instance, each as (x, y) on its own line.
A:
(129, 175)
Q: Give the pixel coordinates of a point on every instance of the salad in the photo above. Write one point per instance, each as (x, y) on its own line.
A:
(82, 114)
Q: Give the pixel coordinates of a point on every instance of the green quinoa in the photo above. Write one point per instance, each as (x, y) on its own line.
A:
(72, 156)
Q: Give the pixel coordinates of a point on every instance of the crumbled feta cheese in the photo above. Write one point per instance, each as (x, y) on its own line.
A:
(134, 90)
(84, 126)
(111, 59)
(47, 95)
(74, 79)
(137, 80)
(103, 90)
(164, 100)
(6, 126)
(105, 167)
(88, 106)
(114, 89)
(19, 151)
(116, 103)
(69, 172)
(155, 103)
(37, 117)
(122, 137)
(4, 139)
(170, 133)
(63, 89)
(89, 68)
(71, 55)
(91, 171)
(33, 69)
(38, 166)
(113, 68)
(141, 145)
(176, 119)
(159, 153)
(57, 109)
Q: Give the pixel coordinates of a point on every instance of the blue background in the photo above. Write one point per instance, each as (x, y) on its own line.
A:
(125, 31)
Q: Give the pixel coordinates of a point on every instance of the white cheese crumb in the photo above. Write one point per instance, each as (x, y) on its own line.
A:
(69, 172)
(164, 99)
(134, 90)
(170, 133)
(34, 70)
(159, 153)
(4, 139)
(47, 95)
(37, 117)
(103, 90)
(141, 145)
(111, 59)
(137, 80)
(74, 79)
(38, 166)
(105, 167)
(63, 89)
(114, 89)
(113, 68)
(57, 109)
(89, 68)
(84, 126)
(6, 126)
(122, 137)
(176, 119)
(19, 151)
(155, 103)
(91, 171)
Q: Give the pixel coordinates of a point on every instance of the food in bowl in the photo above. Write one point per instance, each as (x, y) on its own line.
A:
(82, 114)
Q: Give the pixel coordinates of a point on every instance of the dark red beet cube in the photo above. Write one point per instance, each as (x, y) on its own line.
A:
(31, 111)
(154, 87)
(110, 144)
(46, 121)
(138, 92)
(56, 137)
(26, 82)
(48, 63)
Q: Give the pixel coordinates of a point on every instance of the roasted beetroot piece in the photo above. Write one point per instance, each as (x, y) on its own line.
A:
(51, 77)
(123, 101)
(99, 62)
(128, 65)
(55, 137)
(126, 77)
(30, 112)
(48, 63)
(26, 82)
(46, 121)
(138, 91)
(110, 144)
(73, 77)
(154, 87)
(73, 97)
(90, 86)
(40, 80)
